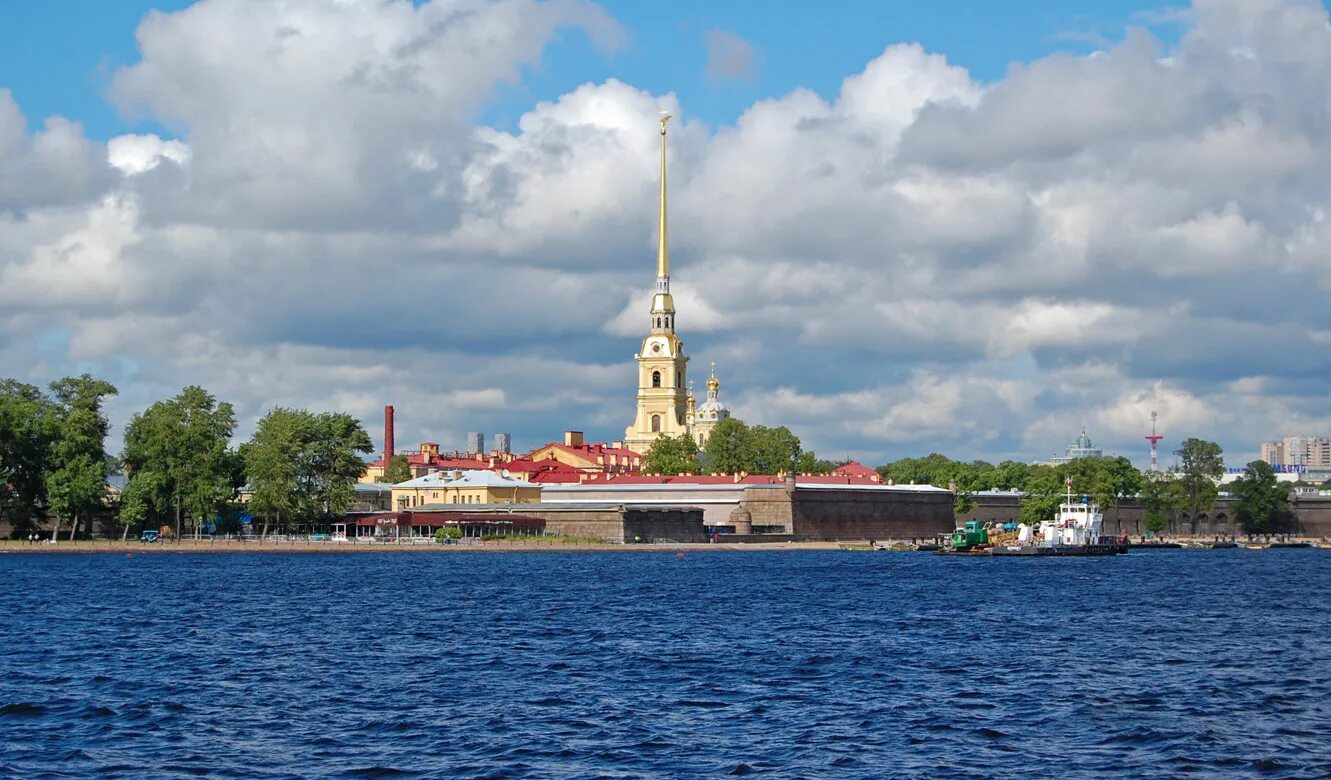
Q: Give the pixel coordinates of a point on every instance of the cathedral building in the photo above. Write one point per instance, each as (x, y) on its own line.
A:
(702, 418)
(665, 406)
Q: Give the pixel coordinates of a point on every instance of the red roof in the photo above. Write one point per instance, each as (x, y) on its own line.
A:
(727, 479)
(856, 469)
(563, 474)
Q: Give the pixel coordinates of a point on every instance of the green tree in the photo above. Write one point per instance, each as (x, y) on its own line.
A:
(726, 447)
(808, 462)
(1262, 502)
(770, 450)
(905, 471)
(672, 455)
(178, 460)
(734, 446)
(1200, 467)
(1009, 475)
(1088, 479)
(1042, 493)
(76, 479)
(1124, 480)
(1161, 496)
(272, 466)
(26, 431)
(399, 470)
(336, 461)
(303, 466)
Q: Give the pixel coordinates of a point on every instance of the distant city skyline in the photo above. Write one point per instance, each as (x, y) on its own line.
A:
(897, 229)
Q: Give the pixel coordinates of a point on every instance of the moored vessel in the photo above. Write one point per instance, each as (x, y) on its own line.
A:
(1075, 531)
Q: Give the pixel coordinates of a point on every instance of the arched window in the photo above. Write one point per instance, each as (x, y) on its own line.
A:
(656, 423)
(656, 379)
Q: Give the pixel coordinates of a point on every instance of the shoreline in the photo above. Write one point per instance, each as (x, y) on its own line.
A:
(187, 547)
(232, 547)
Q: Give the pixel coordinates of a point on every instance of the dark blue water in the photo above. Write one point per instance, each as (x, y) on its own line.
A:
(783, 664)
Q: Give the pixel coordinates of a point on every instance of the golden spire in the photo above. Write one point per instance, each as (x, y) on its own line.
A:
(713, 383)
(663, 248)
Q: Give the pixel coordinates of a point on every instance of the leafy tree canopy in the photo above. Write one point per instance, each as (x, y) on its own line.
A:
(1261, 503)
(26, 434)
(672, 455)
(177, 456)
(76, 480)
(399, 470)
(734, 446)
(1106, 480)
(303, 466)
(1201, 465)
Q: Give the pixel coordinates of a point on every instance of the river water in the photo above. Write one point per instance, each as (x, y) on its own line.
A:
(653, 664)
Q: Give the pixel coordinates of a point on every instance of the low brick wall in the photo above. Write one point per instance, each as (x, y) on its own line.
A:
(622, 525)
(654, 525)
(831, 515)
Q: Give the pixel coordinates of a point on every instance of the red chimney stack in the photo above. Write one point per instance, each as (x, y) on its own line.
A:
(388, 437)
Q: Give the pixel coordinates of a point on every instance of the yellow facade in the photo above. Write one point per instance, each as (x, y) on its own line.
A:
(463, 491)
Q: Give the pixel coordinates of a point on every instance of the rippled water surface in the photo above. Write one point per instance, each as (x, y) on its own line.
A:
(816, 664)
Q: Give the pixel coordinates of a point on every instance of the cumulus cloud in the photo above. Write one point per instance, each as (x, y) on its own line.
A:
(135, 154)
(917, 262)
(317, 115)
(56, 165)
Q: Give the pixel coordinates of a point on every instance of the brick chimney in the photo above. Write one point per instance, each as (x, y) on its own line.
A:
(388, 437)
(573, 438)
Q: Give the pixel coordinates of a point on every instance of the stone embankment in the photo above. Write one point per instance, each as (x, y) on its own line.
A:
(205, 546)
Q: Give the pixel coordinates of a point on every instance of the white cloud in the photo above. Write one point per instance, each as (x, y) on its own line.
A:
(917, 262)
(135, 154)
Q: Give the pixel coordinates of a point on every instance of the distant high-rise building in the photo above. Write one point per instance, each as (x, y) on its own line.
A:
(475, 442)
(1313, 451)
(504, 442)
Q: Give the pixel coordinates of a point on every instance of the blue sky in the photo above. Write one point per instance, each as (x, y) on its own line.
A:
(57, 57)
(1037, 218)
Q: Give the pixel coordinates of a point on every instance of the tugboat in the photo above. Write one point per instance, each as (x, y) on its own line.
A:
(1076, 531)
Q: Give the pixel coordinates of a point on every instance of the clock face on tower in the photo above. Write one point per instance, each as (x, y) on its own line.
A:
(656, 347)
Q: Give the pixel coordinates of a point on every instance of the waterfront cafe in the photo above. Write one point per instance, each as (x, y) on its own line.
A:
(389, 526)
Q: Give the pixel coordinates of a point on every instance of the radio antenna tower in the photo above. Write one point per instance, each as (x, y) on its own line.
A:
(1154, 439)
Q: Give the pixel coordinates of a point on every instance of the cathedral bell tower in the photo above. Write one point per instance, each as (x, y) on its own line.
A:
(662, 394)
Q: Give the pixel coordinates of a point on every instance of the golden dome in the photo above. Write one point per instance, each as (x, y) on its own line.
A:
(713, 383)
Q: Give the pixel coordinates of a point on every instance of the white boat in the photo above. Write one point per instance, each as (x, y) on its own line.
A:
(1076, 530)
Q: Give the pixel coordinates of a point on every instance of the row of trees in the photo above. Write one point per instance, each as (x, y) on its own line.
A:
(1261, 503)
(735, 447)
(301, 466)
